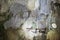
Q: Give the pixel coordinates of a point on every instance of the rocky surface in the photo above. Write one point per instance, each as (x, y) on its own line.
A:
(20, 14)
(14, 13)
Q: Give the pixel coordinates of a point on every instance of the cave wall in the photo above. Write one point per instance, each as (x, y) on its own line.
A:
(40, 14)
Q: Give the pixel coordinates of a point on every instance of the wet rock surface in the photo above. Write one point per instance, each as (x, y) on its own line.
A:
(19, 15)
(14, 14)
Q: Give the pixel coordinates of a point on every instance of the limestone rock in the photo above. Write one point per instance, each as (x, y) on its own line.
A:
(19, 11)
(31, 4)
(23, 2)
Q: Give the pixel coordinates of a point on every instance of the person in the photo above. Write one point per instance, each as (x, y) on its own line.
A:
(53, 34)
